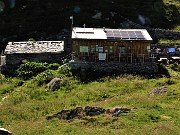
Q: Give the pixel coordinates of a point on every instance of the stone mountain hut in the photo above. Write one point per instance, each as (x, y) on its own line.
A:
(39, 51)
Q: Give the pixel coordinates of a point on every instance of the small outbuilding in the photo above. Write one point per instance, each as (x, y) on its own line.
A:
(39, 51)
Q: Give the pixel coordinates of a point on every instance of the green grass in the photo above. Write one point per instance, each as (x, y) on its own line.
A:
(26, 106)
(177, 28)
(165, 41)
(173, 2)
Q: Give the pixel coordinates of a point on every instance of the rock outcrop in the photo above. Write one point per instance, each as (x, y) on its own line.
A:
(4, 131)
(79, 112)
(160, 90)
(54, 84)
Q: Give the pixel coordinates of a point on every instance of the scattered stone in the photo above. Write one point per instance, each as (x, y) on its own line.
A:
(54, 84)
(4, 131)
(2, 100)
(78, 112)
(165, 117)
(92, 111)
(68, 114)
(117, 111)
(160, 90)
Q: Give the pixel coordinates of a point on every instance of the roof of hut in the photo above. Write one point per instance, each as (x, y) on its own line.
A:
(35, 47)
(110, 34)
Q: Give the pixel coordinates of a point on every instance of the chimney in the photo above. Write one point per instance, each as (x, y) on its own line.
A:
(104, 29)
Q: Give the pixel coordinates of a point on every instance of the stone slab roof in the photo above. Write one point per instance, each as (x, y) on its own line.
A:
(34, 47)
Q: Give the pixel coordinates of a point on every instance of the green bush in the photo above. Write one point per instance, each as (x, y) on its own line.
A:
(175, 66)
(30, 69)
(44, 77)
(2, 78)
(53, 66)
(68, 84)
(65, 70)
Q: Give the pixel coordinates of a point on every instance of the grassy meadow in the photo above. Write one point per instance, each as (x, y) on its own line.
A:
(25, 104)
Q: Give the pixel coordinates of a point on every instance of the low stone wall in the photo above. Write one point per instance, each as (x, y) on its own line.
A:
(155, 33)
(116, 67)
(15, 59)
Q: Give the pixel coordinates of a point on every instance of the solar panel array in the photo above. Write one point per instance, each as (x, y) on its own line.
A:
(124, 35)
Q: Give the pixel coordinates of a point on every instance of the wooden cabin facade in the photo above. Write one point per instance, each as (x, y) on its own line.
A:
(100, 44)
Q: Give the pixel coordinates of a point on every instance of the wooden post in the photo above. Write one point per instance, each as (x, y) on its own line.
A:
(143, 57)
(107, 56)
(153, 57)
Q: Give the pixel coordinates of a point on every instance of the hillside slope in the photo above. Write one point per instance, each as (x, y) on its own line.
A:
(19, 17)
(154, 105)
(21, 20)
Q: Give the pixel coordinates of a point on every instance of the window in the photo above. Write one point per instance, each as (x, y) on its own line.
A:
(122, 49)
(84, 49)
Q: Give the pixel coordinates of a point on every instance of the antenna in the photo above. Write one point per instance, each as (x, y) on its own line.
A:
(71, 17)
(84, 27)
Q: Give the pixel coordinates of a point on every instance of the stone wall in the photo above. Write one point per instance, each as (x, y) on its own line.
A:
(116, 67)
(164, 34)
(155, 33)
(16, 59)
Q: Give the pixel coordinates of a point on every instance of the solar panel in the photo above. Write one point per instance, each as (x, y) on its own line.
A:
(110, 35)
(138, 32)
(110, 38)
(132, 35)
(116, 31)
(125, 37)
(139, 35)
(131, 32)
(117, 35)
(109, 31)
(123, 34)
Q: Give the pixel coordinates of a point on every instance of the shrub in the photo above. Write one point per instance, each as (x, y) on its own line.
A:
(68, 84)
(2, 78)
(65, 70)
(30, 69)
(53, 66)
(175, 66)
(44, 77)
